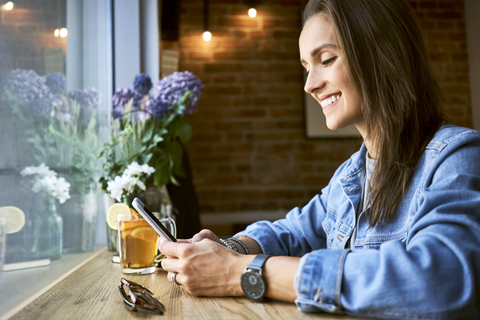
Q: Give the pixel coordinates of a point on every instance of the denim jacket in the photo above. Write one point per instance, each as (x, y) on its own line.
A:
(424, 264)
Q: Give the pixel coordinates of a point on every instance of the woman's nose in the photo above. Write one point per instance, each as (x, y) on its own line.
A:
(314, 81)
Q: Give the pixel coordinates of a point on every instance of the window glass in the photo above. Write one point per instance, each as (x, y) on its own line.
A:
(50, 129)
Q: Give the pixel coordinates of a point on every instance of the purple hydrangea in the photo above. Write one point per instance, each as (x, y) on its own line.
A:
(56, 82)
(28, 90)
(88, 98)
(142, 84)
(117, 114)
(121, 98)
(170, 89)
(158, 109)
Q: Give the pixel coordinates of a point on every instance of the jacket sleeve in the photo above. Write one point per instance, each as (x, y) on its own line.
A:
(299, 233)
(433, 275)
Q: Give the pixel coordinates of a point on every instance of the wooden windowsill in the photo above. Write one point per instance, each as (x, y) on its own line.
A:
(20, 287)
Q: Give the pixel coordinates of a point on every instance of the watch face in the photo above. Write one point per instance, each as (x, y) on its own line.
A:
(253, 285)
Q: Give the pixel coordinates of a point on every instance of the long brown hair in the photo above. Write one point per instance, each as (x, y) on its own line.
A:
(400, 97)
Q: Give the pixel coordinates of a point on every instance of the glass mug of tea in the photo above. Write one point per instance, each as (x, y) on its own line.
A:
(138, 243)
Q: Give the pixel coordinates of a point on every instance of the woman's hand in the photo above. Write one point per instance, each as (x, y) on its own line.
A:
(204, 267)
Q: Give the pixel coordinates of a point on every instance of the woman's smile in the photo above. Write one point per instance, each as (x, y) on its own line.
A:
(329, 101)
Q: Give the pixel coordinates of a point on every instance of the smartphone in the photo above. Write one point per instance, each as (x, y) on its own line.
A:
(152, 220)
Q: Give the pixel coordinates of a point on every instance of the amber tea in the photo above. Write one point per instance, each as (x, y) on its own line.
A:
(138, 244)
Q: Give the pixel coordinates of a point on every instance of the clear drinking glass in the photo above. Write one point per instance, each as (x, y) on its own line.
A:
(138, 243)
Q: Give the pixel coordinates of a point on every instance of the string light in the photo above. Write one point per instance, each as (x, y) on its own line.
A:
(8, 6)
(207, 36)
(62, 33)
(252, 4)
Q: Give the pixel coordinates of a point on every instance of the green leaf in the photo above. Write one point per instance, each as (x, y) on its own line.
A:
(148, 157)
(157, 138)
(162, 170)
(174, 181)
(185, 97)
(175, 152)
(147, 137)
(185, 133)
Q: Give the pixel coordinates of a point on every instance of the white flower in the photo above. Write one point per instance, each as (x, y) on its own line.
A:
(124, 185)
(119, 185)
(147, 169)
(53, 186)
(134, 169)
(42, 170)
(59, 188)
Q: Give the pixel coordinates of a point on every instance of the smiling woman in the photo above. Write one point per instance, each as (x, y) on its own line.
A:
(395, 234)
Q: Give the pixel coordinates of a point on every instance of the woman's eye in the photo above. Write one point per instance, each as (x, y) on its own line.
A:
(328, 61)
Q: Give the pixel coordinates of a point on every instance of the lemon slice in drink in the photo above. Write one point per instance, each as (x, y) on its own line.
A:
(14, 217)
(114, 211)
(143, 231)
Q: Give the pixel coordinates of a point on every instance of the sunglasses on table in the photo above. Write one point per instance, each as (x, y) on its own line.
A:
(137, 296)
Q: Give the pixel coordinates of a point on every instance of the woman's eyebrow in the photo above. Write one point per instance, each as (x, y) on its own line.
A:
(318, 49)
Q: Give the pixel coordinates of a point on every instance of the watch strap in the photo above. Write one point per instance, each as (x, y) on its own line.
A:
(258, 262)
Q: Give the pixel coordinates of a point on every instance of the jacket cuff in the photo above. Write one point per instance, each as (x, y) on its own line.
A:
(262, 237)
(318, 280)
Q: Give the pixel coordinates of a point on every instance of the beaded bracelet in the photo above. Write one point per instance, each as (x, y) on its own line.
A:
(240, 243)
(227, 244)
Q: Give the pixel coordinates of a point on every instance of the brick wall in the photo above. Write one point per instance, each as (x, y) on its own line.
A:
(25, 32)
(443, 26)
(249, 150)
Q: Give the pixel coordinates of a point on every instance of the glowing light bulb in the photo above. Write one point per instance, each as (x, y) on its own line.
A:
(63, 33)
(252, 13)
(8, 6)
(56, 33)
(207, 36)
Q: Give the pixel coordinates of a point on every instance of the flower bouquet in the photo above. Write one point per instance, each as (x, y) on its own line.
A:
(150, 128)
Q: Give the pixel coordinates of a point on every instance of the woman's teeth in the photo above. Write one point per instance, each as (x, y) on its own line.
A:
(330, 100)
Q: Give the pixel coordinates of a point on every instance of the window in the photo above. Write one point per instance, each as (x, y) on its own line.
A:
(59, 65)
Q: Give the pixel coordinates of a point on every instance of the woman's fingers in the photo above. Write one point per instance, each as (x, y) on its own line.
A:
(171, 249)
(205, 234)
(170, 264)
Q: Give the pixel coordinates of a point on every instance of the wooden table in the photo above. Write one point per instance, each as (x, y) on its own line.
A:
(91, 293)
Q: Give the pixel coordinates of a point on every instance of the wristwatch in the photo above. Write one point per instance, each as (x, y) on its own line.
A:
(252, 281)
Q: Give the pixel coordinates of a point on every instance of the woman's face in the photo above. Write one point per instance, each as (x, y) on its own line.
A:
(329, 81)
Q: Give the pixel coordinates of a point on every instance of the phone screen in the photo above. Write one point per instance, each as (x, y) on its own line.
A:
(152, 220)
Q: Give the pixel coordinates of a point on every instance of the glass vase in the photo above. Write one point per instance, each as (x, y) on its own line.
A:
(48, 233)
(89, 229)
